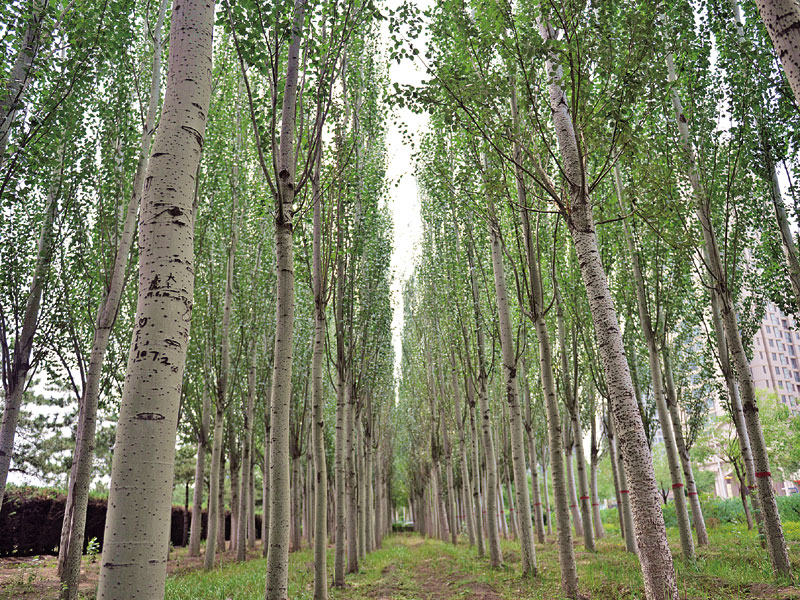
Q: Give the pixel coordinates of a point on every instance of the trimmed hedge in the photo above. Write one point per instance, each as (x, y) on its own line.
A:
(30, 522)
(724, 510)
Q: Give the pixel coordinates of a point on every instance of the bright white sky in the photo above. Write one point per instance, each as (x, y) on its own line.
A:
(403, 194)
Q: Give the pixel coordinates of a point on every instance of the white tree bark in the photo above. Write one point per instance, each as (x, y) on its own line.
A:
(280, 513)
(782, 19)
(658, 571)
(195, 530)
(776, 543)
(134, 562)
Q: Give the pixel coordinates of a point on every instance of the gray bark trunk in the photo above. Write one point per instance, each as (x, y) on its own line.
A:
(134, 564)
(776, 543)
(195, 530)
(782, 19)
(278, 555)
(658, 571)
(673, 461)
(214, 506)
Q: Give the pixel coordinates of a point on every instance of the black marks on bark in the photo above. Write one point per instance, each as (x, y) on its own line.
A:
(197, 135)
(149, 416)
(155, 283)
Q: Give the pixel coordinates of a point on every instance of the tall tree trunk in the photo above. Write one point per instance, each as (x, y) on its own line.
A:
(658, 570)
(342, 419)
(574, 410)
(214, 505)
(448, 463)
(569, 450)
(265, 470)
(278, 556)
(318, 398)
(20, 77)
(509, 356)
(612, 454)
(236, 484)
(533, 459)
(670, 446)
(495, 554)
(782, 19)
(78, 493)
(466, 484)
(196, 527)
(683, 451)
(247, 444)
(566, 552)
(594, 453)
(476, 472)
(23, 344)
(776, 543)
(351, 483)
(134, 563)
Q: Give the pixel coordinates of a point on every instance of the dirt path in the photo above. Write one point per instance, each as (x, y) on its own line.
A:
(421, 573)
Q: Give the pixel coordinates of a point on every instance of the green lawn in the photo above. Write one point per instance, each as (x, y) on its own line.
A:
(410, 567)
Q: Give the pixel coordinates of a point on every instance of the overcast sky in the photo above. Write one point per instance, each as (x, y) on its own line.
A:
(403, 194)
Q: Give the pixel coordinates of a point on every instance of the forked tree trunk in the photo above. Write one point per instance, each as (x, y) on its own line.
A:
(776, 543)
(278, 556)
(658, 571)
(134, 562)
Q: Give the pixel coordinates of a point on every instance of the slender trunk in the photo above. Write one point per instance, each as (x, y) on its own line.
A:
(236, 486)
(214, 506)
(631, 543)
(776, 543)
(476, 474)
(658, 570)
(361, 491)
(495, 554)
(199, 476)
(278, 556)
(251, 500)
(222, 519)
(448, 462)
(342, 418)
(569, 449)
(571, 402)
(512, 398)
(548, 512)
(318, 399)
(23, 344)
(352, 490)
(593, 458)
(612, 454)
(12, 100)
(244, 496)
(265, 485)
(134, 565)
(670, 445)
(533, 459)
(683, 451)
(466, 484)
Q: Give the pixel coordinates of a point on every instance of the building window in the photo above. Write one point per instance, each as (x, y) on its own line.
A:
(774, 356)
(780, 384)
(777, 370)
(772, 343)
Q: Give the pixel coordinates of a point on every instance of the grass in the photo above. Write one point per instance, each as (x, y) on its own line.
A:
(733, 567)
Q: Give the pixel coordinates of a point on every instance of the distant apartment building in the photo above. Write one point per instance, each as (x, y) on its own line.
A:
(775, 367)
(776, 358)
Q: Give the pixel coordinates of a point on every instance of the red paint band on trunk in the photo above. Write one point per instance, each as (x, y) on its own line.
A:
(763, 474)
(572, 506)
(692, 494)
(537, 503)
(624, 492)
(584, 497)
(595, 504)
(677, 485)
